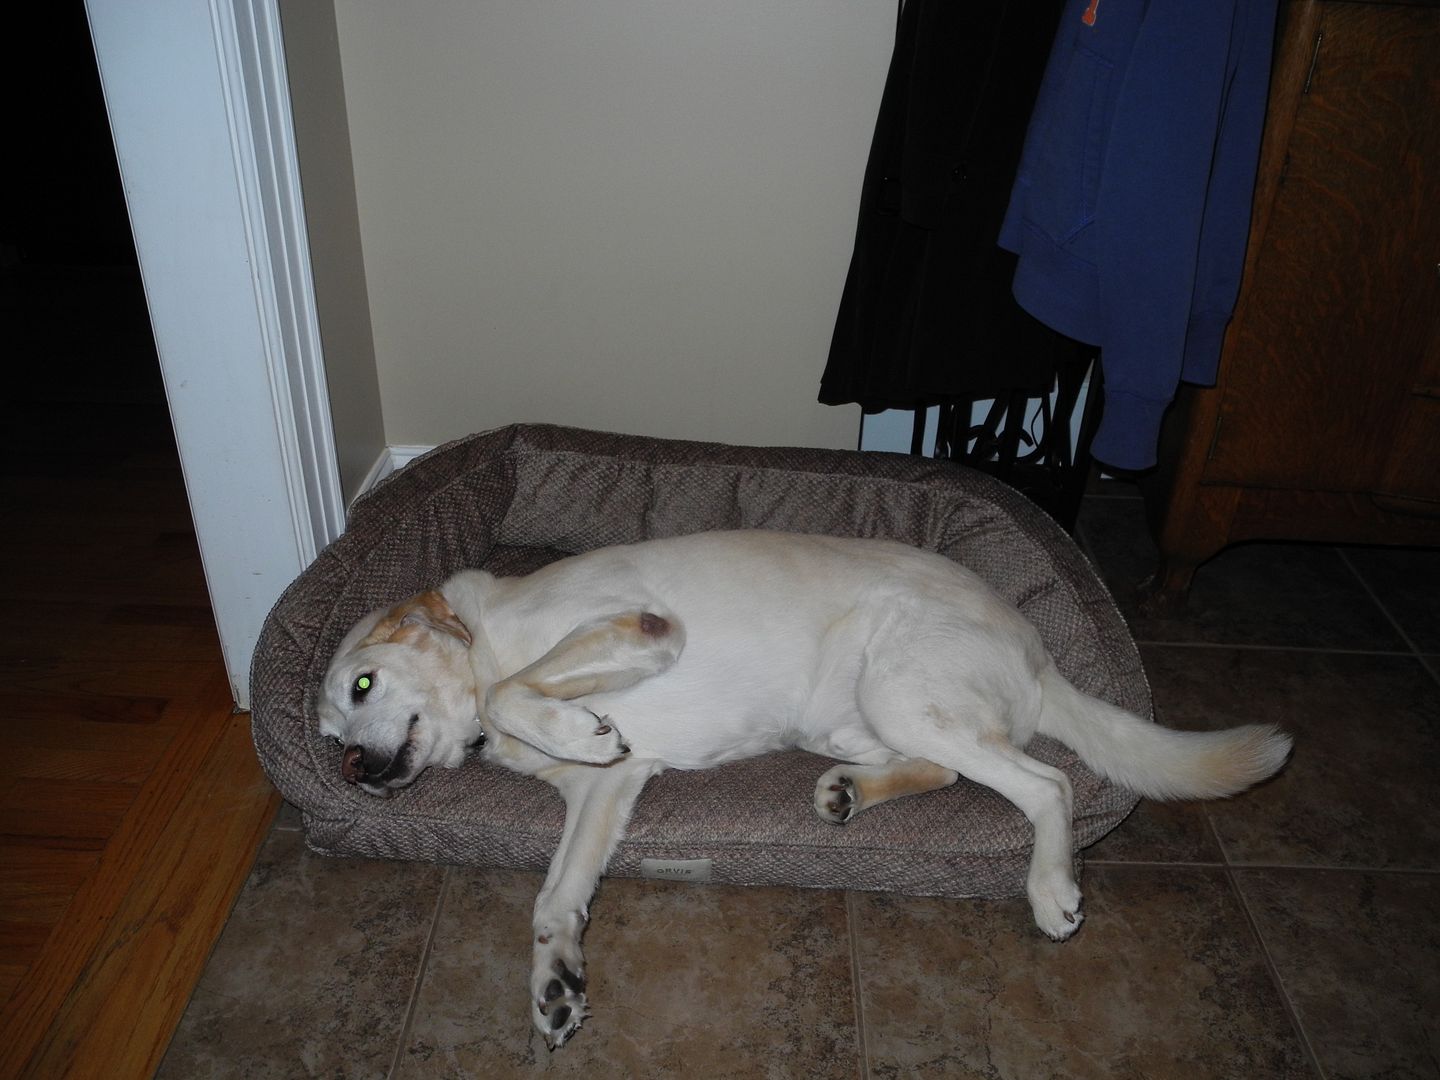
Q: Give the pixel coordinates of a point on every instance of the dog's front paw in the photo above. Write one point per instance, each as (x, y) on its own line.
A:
(592, 739)
(836, 799)
(1055, 902)
(611, 745)
(558, 1005)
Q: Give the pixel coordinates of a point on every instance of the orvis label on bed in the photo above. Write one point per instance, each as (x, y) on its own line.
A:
(676, 869)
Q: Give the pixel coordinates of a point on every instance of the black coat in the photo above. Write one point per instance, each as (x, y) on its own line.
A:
(927, 315)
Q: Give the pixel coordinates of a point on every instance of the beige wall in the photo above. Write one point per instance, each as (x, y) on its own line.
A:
(631, 215)
(322, 143)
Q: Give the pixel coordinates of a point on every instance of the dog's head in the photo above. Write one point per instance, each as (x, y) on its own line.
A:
(400, 695)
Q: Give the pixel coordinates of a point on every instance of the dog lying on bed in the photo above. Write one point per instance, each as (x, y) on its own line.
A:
(601, 670)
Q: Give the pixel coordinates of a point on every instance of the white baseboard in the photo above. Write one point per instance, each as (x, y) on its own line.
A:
(403, 455)
(390, 459)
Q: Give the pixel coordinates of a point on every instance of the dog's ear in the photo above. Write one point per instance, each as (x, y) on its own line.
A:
(427, 611)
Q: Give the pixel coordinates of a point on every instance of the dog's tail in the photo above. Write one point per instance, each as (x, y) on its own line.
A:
(1155, 761)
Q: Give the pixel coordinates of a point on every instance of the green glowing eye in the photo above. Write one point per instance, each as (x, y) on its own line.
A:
(362, 683)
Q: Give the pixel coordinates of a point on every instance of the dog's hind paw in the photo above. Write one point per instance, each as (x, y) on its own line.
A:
(836, 800)
(1057, 909)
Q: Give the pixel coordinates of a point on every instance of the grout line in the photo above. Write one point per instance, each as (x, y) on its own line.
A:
(1326, 868)
(420, 969)
(1115, 496)
(1286, 1001)
(1152, 864)
(1219, 841)
(1150, 643)
(1410, 644)
(1431, 664)
(1319, 868)
(297, 825)
(857, 986)
(1231, 863)
(1291, 1012)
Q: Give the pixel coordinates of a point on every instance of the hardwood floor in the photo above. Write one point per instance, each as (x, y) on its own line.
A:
(133, 804)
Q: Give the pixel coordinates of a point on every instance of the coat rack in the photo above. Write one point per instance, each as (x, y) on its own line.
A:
(1036, 457)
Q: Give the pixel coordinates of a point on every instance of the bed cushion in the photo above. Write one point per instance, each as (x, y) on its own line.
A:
(515, 499)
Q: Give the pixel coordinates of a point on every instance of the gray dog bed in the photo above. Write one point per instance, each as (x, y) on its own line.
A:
(512, 500)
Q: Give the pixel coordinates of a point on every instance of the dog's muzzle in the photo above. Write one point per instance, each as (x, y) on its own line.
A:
(361, 766)
(352, 765)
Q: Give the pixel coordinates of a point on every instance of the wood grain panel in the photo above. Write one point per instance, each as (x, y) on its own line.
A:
(1346, 266)
(175, 859)
(133, 799)
(104, 677)
(36, 884)
(1410, 482)
(85, 811)
(157, 941)
(21, 710)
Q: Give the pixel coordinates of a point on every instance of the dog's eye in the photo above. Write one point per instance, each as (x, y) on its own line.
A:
(362, 687)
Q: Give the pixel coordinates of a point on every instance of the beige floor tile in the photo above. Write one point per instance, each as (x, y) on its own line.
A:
(1407, 583)
(684, 980)
(313, 972)
(1357, 954)
(1160, 832)
(1300, 595)
(1163, 980)
(1356, 791)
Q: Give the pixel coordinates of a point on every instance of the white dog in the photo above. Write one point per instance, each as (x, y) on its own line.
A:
(601, 670)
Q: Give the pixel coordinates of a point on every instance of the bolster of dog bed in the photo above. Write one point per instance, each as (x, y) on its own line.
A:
(512, 500)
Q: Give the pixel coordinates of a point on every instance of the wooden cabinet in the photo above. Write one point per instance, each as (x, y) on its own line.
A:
(1325, 421)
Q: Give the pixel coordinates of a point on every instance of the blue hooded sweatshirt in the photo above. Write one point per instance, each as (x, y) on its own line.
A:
(1131, 206)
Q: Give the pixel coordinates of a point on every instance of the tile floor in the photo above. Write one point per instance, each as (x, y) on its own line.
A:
(1287, 933)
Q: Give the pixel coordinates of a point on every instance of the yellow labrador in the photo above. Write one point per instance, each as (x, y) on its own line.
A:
(599, 671)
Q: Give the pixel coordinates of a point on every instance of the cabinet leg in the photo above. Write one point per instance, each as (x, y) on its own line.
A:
(1195, 525)
(1166, 591)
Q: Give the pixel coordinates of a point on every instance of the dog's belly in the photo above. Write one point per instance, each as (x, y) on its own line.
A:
(776, 629)
(698, 715)
(734, 695)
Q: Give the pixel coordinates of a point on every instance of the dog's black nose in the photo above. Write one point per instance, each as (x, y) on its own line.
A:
(352, 764)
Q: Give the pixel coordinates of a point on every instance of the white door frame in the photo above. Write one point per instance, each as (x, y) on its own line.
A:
(200, 112)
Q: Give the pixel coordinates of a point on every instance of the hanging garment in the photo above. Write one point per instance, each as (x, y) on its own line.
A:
(1132, 205)
(927, 313)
